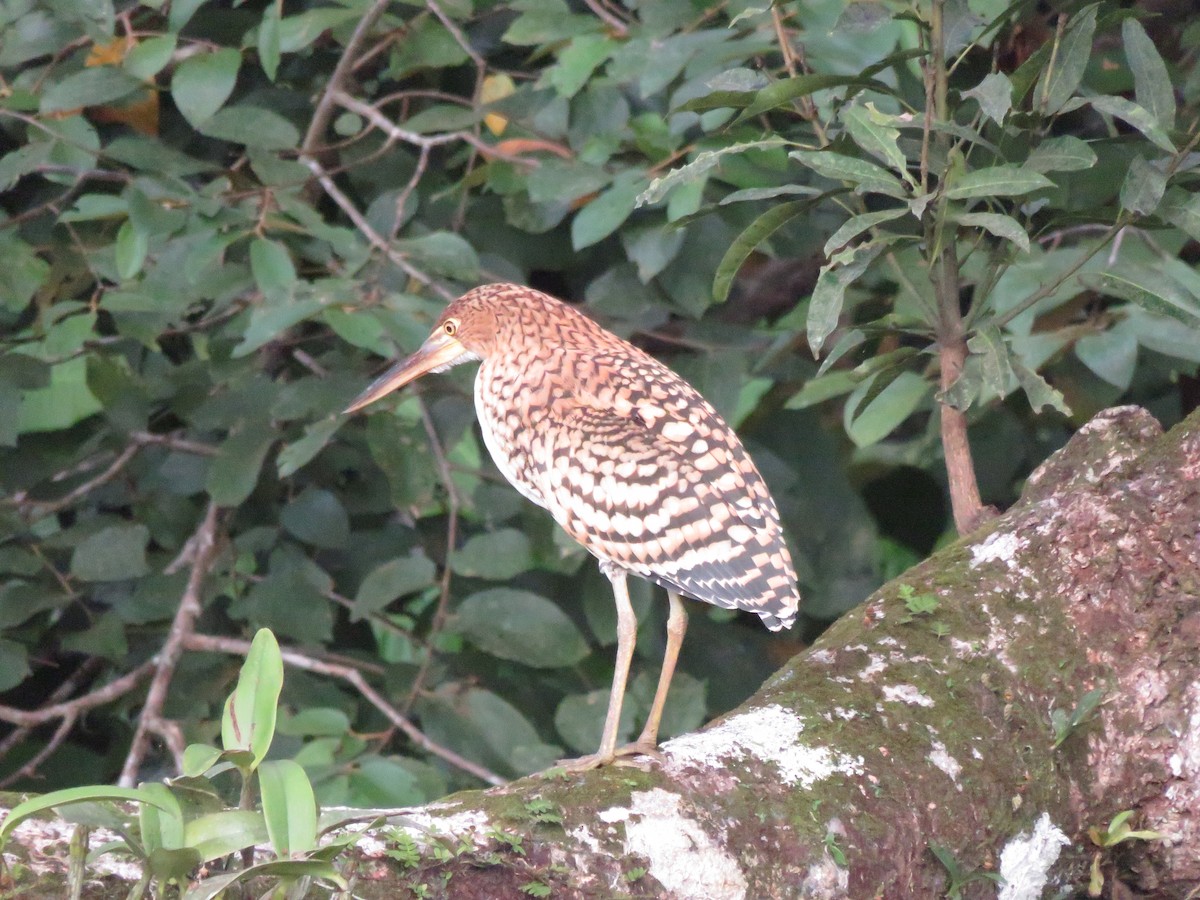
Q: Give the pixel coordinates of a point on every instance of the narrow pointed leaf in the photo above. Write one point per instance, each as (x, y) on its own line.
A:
(746, 242)
(865, 176)
(249, 720)
(878, 139)
(1154, 291)
(1000, 225)
(997, 181)
(829, 294)
(1152, 87)
(1135, 115)
(1061, 154)
(1057, 85)
(289, 807)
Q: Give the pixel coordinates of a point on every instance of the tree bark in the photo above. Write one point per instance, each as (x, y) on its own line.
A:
(912, 751)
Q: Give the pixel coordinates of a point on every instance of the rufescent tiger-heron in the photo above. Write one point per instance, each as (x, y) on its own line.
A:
(626, 456)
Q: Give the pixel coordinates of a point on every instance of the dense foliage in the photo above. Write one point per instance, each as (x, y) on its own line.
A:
(221, 215)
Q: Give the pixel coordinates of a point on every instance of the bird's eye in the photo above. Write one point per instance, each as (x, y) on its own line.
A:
(450, 328)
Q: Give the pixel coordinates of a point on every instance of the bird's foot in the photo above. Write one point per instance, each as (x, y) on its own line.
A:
(629, 755)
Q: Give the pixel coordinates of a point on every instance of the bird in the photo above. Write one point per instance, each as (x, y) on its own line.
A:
(627, 457)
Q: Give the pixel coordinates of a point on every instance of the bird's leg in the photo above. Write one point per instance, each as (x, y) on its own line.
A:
(676, 628)
(626, 637)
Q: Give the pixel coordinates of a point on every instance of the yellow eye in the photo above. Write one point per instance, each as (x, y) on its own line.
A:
(450, 328)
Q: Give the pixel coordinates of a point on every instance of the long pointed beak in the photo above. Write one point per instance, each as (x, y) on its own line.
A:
(439, 351)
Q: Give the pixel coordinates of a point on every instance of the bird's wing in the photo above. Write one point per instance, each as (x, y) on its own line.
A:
(660, 486)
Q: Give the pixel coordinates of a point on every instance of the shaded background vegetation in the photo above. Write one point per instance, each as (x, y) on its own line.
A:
(221, 216)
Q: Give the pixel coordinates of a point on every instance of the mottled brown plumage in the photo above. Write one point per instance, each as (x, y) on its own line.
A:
(625, 455)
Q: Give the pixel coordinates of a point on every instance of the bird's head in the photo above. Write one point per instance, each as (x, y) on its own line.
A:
(470, 328)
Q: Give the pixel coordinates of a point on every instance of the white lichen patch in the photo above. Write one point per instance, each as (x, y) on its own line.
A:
(873, 668)
(940, 757)
(583, 836)
(996, 547)
(906, 693)
(769, 733)
(823, 657)
(47, 839)
(1026, 860)
(683, 857)
(426, 823)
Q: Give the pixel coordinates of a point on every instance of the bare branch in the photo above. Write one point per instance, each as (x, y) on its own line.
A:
(116, 688)
(325, 106)
(355, 679)
(203, 550)
(30, 768)
(373, 237)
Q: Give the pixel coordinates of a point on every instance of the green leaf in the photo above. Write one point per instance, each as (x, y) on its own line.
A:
(249, 719)
(825, 307)
(1182, 209)
(1111, 354)
(1038, 390)
(887, 411)
(87, 794)
(269, 320)
(1058, 84)
(251, 126)
(994, 96)
(498, 555)
(1152, 86)
(221, 833)
(1153, 290)
(1061, 154)
(1000, 225)
(199, 758)
(294, 456)
(289, 807)
(698, 169)
(442, 253)
(269, 40)
(202, 83)
(14, 664)
(604, 215)
(865, 176)
(162, 823)
(391, 580)
(576, 62)
(988, 345)
(1133, 114)
(116, 553)
(131, 247)
(753, 235)
(785, 92)
(856, 225)
(272, 267)
(280, 871)
(996, 181)
(317, 517)
(1143, 187)
(234, 472)
(96, 86)
(869, 130)
(522, 627)
(150, 56)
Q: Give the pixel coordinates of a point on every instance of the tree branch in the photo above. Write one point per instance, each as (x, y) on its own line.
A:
(202, 548)
(355, 679)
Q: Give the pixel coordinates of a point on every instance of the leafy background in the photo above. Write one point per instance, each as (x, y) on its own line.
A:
(221, 215)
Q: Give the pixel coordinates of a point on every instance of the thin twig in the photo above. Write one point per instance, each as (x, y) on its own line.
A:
(118, 687)
(40, 509)
(351, 675)
(443, 604)
(373, 237)
(345, 64)
(30, 768)
(619, 28)
(69, 685)
(203, 550)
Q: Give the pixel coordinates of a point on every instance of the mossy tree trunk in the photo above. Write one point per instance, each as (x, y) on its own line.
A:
(961, 731)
